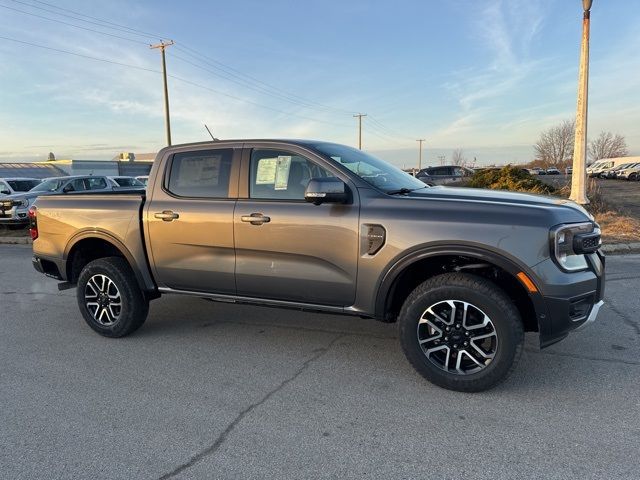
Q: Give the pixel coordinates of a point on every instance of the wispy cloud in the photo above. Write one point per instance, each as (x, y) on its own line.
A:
(504, 31)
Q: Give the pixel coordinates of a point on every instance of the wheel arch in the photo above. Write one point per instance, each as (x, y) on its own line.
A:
(407, 271)
(87, 246)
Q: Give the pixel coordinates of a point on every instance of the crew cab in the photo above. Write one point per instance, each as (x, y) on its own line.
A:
(318, 226)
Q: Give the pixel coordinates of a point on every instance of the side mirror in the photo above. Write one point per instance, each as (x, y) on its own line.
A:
(326, 190)
(5, 192)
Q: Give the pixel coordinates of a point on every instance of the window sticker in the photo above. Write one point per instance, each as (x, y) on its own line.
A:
(199, 171)
(266, 174)
(283, 165)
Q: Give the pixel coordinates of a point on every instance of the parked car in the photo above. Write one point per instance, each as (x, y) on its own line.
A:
(568, 171)
(15, 207)
(14, 212)
(553, 171)
(595, 169)
(612, 172)
(324, 227)
(126, 182)
(629, 172)
(9, 186)
(536, 171)
(444, 175)
(144, 179)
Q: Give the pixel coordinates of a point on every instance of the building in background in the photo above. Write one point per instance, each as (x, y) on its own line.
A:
(127, 164)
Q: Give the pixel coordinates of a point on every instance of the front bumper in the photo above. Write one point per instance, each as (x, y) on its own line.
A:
(570, 300)
(14, 215)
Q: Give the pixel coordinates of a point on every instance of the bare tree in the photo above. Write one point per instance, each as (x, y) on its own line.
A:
(457, 157)
(608, 145)
(555, 145)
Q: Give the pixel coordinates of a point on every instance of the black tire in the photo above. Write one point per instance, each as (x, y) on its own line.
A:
(133, 306)
(632, 177)
(486, 298)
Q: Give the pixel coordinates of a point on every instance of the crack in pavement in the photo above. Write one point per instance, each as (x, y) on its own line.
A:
(624, 317)
(582, 357)
(223, 436)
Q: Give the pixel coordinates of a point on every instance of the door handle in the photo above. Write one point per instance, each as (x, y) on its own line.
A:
(167, 215)
(255, 219)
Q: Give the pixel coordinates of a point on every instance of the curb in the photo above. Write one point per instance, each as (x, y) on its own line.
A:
(15, 241)
(621, 248)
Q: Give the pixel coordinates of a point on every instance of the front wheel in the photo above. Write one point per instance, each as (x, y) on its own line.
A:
(110, 298)
(461, 332)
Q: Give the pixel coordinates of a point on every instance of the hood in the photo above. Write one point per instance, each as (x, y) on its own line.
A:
(499, 196)
(26, 195)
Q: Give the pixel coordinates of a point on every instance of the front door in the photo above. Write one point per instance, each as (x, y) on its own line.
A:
(286, 248)
(190, 221)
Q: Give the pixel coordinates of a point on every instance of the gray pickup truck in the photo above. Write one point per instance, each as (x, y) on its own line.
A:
(323, 227)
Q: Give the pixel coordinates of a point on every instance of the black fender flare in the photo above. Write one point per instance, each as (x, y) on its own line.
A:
(501, 259)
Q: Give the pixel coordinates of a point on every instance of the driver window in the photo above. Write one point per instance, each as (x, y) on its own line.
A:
(281, 175)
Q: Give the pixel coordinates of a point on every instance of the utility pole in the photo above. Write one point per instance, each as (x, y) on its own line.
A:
(579, 175)
(420, 140)
(167, 123)
(359, 116)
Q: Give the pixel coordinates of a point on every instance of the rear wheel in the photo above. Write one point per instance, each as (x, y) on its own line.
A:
(110, 298)
(461, 332)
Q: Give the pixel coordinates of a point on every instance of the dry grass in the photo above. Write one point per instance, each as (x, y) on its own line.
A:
(617, 225)
(618, 228)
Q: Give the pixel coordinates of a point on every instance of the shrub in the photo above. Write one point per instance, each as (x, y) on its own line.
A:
(509, 178)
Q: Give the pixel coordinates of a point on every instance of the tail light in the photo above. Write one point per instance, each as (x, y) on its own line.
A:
(33, 222)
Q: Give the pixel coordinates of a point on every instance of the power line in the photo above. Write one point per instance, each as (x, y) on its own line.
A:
(180, 79)
(237, 76)
(137, 67)
(246, 77)
(96, 18)
(391, 131)
(76, 16)
(72, 25)
(246, 84)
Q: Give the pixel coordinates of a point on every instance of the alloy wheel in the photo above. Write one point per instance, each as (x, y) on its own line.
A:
(457, 337)
(103, 300)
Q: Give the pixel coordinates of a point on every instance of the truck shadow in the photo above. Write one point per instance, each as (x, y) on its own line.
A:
(372, 348)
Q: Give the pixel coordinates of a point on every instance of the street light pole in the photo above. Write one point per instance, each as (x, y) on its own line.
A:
(579, 174)
(420, 140)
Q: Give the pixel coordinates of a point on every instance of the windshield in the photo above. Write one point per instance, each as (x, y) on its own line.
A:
(22, 185)
(372, 170)
(49, 185)
(128, 182)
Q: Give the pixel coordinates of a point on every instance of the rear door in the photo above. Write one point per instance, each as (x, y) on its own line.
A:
(286, 248)
(189, 220)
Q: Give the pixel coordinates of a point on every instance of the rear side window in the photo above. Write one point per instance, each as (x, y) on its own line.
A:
(77, 185)
(201, 174)
(98, 183)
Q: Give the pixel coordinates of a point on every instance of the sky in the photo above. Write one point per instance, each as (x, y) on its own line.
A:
(485, 76)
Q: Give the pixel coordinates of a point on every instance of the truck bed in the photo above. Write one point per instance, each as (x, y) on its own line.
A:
(116, 216)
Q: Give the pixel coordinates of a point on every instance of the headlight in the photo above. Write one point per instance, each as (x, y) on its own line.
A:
(21, 203)
(569, 244)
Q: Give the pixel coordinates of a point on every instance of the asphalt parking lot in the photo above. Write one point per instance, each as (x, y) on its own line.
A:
(208, 390)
